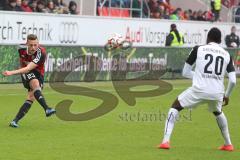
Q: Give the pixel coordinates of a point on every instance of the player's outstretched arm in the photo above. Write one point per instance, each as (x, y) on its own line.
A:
(26, 69)
(231, 83)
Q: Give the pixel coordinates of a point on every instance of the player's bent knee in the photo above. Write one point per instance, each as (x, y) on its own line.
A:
(176, 105)
(216, 113)
(31, 98)
(34, 84)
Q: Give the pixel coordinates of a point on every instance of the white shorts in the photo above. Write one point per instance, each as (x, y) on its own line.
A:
(190, 99)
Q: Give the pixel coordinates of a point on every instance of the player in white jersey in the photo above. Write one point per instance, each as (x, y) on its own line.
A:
(211, 63)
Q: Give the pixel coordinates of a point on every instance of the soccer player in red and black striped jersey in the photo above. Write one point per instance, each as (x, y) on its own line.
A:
(32, 59)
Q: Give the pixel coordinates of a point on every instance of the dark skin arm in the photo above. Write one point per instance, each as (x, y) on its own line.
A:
(225, 100)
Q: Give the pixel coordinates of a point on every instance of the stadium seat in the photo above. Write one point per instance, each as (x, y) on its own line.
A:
(103, 11)
(115, 12)
(125, 13)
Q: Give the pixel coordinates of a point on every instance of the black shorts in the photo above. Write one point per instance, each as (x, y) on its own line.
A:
(27, 77)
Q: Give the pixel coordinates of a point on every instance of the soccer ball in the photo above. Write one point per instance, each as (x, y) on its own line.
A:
(115, 40)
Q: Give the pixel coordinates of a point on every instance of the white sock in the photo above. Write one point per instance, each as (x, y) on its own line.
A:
(223, 125)
(169, 124)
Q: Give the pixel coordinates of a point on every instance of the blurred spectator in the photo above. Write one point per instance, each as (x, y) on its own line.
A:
(152, 4)
(60, 7)
(157, 13)
(25, 6)
(33, 6)
(72, 8)
(167, 5)
(186, 15)
(174, 38)
(51, 7)
(41, 7)
(204, 16)
(176, 15)
(190, 14)
(228, 3)
(209, 16)
(12, 6)
(166, 14)
(19, 5)
(216, 8)
(194, 16)
(64, 10)
(232, 40)
(200, 16)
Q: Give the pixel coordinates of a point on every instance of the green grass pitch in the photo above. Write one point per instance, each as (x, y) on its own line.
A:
(126, 133)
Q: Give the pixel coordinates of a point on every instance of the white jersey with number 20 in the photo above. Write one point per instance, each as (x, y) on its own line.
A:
(212, 62)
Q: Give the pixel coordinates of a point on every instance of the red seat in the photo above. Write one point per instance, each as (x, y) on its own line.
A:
(115, 12)
(125, 13)
(103, 11)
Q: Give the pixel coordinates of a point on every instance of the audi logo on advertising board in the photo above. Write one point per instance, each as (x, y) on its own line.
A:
(68, 32)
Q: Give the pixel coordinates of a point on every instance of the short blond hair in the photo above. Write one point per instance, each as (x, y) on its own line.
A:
(32, 37)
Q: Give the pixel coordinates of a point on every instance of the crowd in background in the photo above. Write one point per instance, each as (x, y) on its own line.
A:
(157, 9)
(180, 14)
(41, 6)
(160, 9)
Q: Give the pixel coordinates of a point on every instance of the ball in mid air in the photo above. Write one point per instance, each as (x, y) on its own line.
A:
(115, 40)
